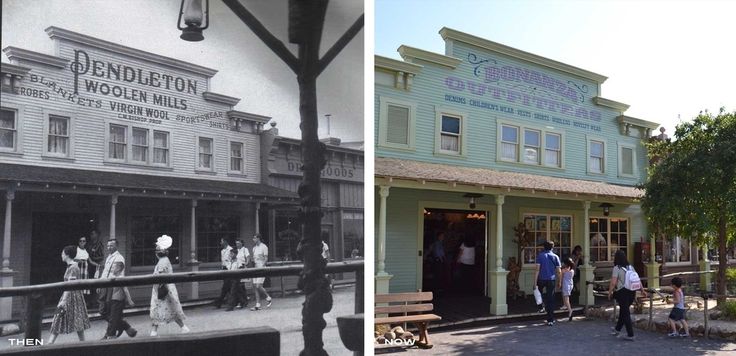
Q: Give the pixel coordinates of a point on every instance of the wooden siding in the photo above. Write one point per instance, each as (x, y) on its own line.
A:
(92, 112)
(429, 90)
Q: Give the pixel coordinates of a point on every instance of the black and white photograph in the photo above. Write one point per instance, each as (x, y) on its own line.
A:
(182, 177)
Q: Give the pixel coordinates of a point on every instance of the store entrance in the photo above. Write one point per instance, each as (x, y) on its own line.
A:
(51, 232)
(460, 271)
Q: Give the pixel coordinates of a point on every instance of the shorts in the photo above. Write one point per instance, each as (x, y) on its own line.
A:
(677, 314)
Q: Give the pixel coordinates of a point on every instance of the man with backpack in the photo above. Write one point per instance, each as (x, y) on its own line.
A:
(624, 284)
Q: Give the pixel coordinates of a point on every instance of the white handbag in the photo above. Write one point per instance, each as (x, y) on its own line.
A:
(537, 295)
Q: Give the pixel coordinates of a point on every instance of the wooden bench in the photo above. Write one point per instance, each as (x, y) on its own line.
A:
(412, 307)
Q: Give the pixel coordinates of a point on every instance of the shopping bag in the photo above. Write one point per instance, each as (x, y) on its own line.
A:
(537, 296)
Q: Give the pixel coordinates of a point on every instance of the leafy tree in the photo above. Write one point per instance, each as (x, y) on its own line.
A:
(691, 185)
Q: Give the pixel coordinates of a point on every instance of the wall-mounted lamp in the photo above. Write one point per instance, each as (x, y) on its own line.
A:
(195, 20)
(606, 208)
(472, 197)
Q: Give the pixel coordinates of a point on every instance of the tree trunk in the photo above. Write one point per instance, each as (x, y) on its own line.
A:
(722, 260)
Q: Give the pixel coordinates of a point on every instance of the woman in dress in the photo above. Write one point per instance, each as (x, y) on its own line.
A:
(71, 312)
(82, 259)
(167, 309)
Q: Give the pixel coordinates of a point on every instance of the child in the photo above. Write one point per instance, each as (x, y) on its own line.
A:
(568, 273)
(678, 309)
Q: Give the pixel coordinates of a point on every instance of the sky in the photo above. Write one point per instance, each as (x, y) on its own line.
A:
(666, 59)
(247, 68)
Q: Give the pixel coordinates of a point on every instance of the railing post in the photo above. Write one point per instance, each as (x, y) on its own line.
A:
(705, 315)
(359, 291)
(34, 310)
(651, 308)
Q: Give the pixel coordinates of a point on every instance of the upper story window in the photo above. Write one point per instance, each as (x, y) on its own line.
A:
(58, 135)
(396, 123)
(596, 156)
(627, 161)
(9, 130)
(528, 145)
(118, 139)
(160, 147)
(205, 153)
(138, 145)
(236, 157)
(509, 143)
(449, 132)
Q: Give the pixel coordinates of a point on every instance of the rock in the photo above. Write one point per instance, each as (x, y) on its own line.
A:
(397, 330)
(407, 335)
(9, 329)
(380, 340)
(389, 335)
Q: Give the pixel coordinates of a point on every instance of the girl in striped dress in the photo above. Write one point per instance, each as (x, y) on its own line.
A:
(71, 312)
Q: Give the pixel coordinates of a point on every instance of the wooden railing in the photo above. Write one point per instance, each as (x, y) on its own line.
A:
(34, 293)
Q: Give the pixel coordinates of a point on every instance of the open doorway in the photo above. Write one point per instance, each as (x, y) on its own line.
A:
(454, 252)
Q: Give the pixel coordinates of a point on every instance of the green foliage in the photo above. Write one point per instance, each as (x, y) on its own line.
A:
(731, 279)
(728, 309)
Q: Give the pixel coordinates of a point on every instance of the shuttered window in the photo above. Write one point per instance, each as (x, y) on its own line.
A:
(627, 161)
(398, 125)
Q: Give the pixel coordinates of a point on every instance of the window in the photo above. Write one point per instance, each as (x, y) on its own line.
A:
(210, 229)
(509, 143)
(287, 235)
(541, 227)
(552, 150)
(8, 130)
(396, 124)
(531, 146)
(236, 157)
(596, 156)
(674, 250)
(627, 161)
(205, 153)
(450, 134)
(352, 227)
(118, 139)
(607, 235)
(160, 147)
(144, 232)
(140, 145)
(58, 135)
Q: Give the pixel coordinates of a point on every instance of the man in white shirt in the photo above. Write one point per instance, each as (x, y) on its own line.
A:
(260, 257)
(225, 262)
(243, 261)
(237, 297)
(326, 257)
(112, 300)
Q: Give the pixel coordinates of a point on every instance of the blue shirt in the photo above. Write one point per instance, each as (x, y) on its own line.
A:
(548, 264)
(438, 250)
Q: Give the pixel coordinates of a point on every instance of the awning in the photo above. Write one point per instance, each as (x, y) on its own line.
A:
(394, 168)
(24, 176)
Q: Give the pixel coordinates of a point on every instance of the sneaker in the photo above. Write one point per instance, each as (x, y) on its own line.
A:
(673, 334)
(629, 338)
(154, 333)
(550, 323)
(132, 332)
(685, 335)
(614, 332)
(185, 329)
(268, 302)
(257, 307)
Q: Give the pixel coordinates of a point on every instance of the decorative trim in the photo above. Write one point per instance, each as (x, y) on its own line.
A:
(448, 33)
(60, 33)
(407, 53)
(396, 65)
(219, 98)
(610, 104)
(15, 54)
(242, 115)
(623, 119)
(14, 70)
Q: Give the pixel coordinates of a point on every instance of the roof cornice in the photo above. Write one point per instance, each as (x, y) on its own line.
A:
(407, 53)
(396, 65)
(610, 103)
(15, 70)
(55, 32)
(448, 33)
(219, 98)
(15, 54)
(623, 119)
(242, 115)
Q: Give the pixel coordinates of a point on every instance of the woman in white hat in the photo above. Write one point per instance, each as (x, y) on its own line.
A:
(165, 305)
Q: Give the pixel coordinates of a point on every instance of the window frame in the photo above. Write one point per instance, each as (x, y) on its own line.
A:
(230, 157)
(108, 126)
(168, 149)
(559, 150)
(147, 147)
(609, 249)
(525, 144)
(501, 142)
(440, 113)
(150, 148)
(604, 159)
(384, 103)
(677, 241)
(212, 154)
(19, 111)
(536, 246)
(520, 144)
(634, 167)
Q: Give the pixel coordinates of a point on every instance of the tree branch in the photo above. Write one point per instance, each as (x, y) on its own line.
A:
(270, 40)
(340, 44)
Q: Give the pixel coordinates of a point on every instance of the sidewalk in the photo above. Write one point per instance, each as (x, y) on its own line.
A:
(284, 315)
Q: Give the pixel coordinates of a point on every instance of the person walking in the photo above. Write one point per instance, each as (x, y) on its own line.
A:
(243, 261)
(624, 297)
(71, 312)
(224, 263)
(678, 309)
(82, 260)
(260, 257)
(547, 274)
(96, 251)
(113, 299)
(568, 273)
(165, 305)
(326, 258)
(237, 296)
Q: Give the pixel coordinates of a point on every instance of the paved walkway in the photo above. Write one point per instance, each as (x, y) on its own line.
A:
(284, 315)
(582, 336)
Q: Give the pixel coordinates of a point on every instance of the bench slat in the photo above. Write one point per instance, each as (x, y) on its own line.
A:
(403, 297)
(407, 319)
(411, 308)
